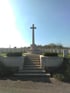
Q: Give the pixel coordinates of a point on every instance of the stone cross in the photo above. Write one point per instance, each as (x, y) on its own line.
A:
(33, 39)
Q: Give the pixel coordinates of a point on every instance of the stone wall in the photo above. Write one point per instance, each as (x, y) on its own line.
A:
(13, 61)
(50, 61)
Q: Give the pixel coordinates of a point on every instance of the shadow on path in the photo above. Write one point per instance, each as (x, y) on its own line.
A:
(29, 78)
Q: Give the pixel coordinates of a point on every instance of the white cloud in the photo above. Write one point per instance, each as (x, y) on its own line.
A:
(9, 34)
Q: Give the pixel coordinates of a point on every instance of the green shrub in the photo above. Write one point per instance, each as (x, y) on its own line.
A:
(50, 54)
(67, 70)
(63, 72)
(59, 76)
(14, 54)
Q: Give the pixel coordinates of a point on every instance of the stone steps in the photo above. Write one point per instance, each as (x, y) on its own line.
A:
(31, 74)
(32, 67)
(32, 63)
(35, 59)
(32, 71)
(32, 59)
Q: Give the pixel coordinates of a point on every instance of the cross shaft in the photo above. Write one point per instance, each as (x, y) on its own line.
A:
(33, 38)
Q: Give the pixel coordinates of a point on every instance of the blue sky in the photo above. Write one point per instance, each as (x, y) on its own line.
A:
(51, 17)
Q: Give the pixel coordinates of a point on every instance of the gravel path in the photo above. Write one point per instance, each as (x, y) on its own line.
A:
(41, 85)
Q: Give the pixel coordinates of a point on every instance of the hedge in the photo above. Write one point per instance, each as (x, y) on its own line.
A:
(14, 54)
(50, 54)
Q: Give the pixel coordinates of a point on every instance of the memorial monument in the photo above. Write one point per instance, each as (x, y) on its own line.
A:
(33, 47)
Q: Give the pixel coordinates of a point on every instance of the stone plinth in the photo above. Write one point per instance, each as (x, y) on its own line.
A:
(34, 50)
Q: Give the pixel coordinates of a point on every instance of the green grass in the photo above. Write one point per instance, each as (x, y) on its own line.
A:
(3, 54)
(68, 56)
(60, 55)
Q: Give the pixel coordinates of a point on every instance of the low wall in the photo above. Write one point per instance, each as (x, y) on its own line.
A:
(69, 60)
(13, 61)
(50, 61)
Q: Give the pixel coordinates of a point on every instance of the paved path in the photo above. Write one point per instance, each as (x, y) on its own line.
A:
(40, 85)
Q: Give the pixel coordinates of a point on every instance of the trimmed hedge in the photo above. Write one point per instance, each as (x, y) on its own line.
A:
(14, 54)
(50, 54)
